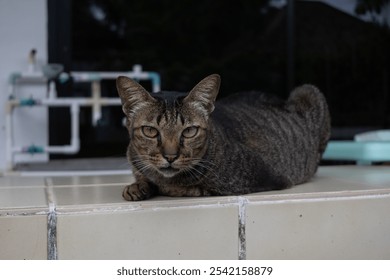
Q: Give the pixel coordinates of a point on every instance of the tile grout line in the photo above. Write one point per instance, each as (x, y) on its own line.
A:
(242, 202)
(52, 233)
(52, 253)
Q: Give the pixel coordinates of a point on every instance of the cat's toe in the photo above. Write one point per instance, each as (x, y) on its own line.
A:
(135, 192)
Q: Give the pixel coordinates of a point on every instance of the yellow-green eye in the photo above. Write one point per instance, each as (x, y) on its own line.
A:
(149, 131)
(190, 132)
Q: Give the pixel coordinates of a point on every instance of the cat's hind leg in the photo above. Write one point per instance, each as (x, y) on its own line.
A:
(306, 98)
(308, 101)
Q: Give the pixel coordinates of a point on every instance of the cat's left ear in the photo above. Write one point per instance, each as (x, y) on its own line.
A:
(203, 95)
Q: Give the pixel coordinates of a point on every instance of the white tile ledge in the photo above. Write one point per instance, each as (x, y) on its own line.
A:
(150, 205)
(360, 187)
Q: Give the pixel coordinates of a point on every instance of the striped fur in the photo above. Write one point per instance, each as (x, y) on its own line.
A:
(249, 143)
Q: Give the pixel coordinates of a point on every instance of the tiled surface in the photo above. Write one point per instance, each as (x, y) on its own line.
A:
(341, 213)
(23, 218)
(16, 181)
(20, 192)
(23, 237)
(329, 229)
(13, 197)
(338, 181)
(78, 164)
(87, 195)
(179, 233)
(71, 181)
(372, 176)
(88, 190)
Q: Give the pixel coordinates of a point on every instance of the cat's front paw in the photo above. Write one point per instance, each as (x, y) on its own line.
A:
(137, 191)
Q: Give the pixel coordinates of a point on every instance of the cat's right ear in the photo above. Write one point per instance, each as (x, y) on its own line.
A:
(204, 94)
(133, 95)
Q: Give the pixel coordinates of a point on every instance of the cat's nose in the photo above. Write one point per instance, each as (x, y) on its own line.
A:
(171, 158)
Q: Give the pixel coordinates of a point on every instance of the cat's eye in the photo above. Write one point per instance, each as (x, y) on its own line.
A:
(149, 131)
(190, 132)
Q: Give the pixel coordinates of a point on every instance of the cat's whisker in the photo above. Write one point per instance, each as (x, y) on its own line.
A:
(190, 173)
(198, 174)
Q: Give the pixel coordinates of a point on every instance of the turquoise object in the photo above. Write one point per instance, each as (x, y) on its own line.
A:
(34, 149)
(358, 151)
(27, 102)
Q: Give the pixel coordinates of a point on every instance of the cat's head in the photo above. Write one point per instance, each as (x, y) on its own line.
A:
(168, 131)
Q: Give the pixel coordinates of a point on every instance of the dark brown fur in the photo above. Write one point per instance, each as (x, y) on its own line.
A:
(181, 146)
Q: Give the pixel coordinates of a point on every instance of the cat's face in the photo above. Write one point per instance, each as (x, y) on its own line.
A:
(168, 131)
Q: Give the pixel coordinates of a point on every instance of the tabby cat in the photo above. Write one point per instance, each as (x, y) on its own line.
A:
(251, 142)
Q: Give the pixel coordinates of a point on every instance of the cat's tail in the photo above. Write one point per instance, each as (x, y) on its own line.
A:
(307, 100)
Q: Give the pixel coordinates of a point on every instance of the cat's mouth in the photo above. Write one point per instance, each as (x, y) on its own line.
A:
(168, 171)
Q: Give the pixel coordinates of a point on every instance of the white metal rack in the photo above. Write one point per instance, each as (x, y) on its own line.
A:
(96, 101)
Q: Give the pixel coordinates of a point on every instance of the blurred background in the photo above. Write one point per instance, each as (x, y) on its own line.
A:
(342, 47)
